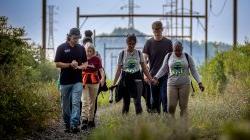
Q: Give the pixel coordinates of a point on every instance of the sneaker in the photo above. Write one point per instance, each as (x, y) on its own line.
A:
(91, 124)
(75, 129)
(67, 129)
(84, 125)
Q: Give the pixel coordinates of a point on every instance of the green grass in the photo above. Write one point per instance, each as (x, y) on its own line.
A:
(208, 115)
(222, 112)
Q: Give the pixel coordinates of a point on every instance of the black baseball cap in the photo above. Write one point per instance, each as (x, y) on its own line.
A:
(75, 31)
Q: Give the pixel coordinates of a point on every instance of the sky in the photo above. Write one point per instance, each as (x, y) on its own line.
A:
(28, 14)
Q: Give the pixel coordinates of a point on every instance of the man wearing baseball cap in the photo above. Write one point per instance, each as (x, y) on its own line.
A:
(71, 59)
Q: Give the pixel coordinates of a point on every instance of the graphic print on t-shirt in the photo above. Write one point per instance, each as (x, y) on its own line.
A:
(177, 68)
(130, 65)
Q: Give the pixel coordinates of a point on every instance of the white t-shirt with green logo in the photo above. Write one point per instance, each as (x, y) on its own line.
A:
(178, 68)
(130, 61)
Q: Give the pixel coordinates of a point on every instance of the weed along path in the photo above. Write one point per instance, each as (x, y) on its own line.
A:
(56, 131)
(208, 117)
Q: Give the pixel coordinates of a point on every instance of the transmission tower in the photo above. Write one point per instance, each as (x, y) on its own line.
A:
(50, 50)
(131, 5)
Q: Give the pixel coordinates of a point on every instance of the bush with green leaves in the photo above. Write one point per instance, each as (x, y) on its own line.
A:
(228, 70)
(29, 99)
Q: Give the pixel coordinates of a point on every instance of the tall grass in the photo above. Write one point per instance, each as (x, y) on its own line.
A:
(221, 112)
(207, 117)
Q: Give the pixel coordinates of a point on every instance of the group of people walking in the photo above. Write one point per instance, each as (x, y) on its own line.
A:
(160, 73)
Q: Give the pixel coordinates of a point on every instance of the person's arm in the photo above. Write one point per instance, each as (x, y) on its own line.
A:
(102, 81)
(119, 67)
(145, 71)
(146, 59)
(195, 73)
(84, 64)
(146, 52)
(63, 65)
(117, 74)
(193, 70)
(164, 68)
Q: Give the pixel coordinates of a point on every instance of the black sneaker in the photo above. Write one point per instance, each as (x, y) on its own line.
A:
(75, 129)
(91, 124)
(84, 125)
(67, 129)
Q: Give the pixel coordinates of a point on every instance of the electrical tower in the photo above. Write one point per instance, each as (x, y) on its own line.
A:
(131, 5)
(50, 50)
(173, 28)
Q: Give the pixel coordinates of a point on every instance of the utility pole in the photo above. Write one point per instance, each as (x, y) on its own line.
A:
(176, 19)
(206, 29)
(43, 47)
(191, 27)
(182, 19)
(77, 17)
(50, 50)
(235, 18)
(171, 19)
(131, 12)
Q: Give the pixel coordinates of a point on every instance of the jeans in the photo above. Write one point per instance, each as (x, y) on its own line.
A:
(70, 103)
(157, 97)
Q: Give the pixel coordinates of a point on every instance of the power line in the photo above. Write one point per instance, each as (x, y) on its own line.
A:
(220, 11)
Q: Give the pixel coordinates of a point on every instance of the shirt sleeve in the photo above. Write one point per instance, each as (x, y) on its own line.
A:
(164, 67)
(146, 47)
(59, 53)
(193, 69)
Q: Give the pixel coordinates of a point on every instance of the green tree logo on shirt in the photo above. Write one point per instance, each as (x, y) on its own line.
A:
(177, 69)
(131, 65)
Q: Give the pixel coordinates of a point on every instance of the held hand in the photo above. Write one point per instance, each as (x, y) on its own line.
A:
(147, 81)
(74, 64)
(154, 81)
(81, 67)
(202, 88)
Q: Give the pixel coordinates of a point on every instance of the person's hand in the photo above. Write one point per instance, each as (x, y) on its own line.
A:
(74, 64)
(147, 80)
(112, 87)
(202, 88)
(154, 81)
(81, 67)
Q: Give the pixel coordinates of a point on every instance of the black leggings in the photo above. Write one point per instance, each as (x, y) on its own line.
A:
(133, 88)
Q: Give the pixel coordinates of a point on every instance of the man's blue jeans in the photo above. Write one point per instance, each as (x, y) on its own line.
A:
(71, 95)
(159, 96)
